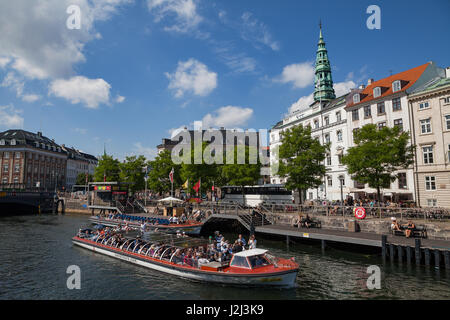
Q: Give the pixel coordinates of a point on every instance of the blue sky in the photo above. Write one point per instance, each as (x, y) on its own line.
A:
(138, 69)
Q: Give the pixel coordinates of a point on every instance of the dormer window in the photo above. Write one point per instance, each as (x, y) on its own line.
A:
(2, 142)
(356, 98)
(396, 86)
(13, 142)
(376, 92)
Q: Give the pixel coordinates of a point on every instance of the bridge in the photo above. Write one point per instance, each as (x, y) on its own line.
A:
(29, 202)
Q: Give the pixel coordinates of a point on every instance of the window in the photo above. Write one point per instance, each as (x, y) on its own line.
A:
(17, 155)
(396, 86)
(339, 135)
(399, 123)
(338, 116)
(432, 202)
(5, 168)
(380, 108)
(356, 98)
(16, 180)
(423, 105)
(402, 180)
(447, 100)
(425, 125)
(447, 121)
(367, 113)
(396, 104)
(328, 160)
(342, 180)
(430, 183)
(355, 115)
(13, 142)
(316, 124)
(327, 138)
(427, 154)
(376, 92)
(6, 155)
(4, 180)
(326, 120)
(310, 195)
(330, 181)
(17, 168)
(448, 153)
(2, 142)
(381, 125)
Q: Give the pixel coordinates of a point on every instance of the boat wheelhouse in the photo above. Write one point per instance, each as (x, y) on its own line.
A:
(166, 254)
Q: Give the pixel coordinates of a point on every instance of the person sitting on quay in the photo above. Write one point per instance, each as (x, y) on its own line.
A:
(307, 221)
(394, 225)
(409, 228)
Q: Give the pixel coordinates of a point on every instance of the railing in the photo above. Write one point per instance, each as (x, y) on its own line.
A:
(137, 203)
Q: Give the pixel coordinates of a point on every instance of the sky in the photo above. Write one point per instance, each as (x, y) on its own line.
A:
(136, 70)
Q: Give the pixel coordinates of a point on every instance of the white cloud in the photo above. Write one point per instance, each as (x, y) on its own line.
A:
(228, 117)
(148, 153)
(90, 92)
(80, 130)
(17, 83)
(192, 76)
(237, 62)
(340, 89)
(4, 61)
(10, 117)
(256, 31)
(119, 99)
(300, 75)
(182, 12)
(36, 40)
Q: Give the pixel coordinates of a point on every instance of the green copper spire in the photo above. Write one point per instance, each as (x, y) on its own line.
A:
(323, 82)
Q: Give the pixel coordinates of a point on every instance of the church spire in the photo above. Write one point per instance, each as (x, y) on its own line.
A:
(323, 82)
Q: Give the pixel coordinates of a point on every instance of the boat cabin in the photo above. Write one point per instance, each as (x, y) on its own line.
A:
(250, 259)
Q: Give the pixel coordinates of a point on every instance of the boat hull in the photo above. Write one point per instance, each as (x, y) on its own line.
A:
(188, 229)
(282, 279)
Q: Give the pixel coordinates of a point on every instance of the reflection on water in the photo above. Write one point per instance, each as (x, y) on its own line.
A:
(35, 252)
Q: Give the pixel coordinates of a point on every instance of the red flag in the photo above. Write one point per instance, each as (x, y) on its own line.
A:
(197, 186)
(171, 175)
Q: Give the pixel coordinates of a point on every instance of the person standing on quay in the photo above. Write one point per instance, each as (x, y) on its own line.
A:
(252, 242)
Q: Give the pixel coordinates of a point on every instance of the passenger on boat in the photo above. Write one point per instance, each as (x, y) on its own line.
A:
(183, 218)
(202, 260)
(176, 257)
(242, 240)
(237, 246)
(252, 242)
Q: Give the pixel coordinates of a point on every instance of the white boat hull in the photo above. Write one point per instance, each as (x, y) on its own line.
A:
(287, 279)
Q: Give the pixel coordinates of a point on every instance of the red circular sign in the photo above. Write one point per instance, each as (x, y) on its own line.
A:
(360, 213)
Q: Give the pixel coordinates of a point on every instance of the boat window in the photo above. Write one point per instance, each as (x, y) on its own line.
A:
(258, 261)
(239, 262)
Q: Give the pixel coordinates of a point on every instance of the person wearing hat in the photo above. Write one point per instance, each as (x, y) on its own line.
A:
(394, 225)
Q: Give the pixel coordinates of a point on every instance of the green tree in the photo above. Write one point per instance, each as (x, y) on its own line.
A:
(132, 171)
(209, 173)
(301, 159)
(81, 179)
(108, 166)
(158, 178)
(377, 155)
(241, 174)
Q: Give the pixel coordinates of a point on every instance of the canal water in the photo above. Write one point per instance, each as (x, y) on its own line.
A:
(35, 252)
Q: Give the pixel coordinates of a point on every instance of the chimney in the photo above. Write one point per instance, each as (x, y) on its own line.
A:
(370, 81)
(39, 134)
(447, 72)
(362, 86)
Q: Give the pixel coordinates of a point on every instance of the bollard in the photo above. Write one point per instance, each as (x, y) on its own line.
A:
(391, 252)
(417, 251)
(383, 246)
(408, 255)
(400, 253)
(427, 256)
(437, 259)
(447, 260)
(324, 244)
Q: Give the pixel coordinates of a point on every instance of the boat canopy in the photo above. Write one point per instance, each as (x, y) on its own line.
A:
(251, 252)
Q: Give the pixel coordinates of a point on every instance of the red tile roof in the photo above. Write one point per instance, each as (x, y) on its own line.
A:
(407, 78)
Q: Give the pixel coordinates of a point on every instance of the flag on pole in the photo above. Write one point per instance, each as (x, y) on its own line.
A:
(197, 186)
(104, 176)
(186, 184)
(171, 175)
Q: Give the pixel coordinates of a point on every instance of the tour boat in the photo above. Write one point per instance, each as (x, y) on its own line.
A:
(254, 267)
(163, 224)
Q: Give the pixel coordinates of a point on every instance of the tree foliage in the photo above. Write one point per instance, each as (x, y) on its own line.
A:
(81, 179)
(132, 170)
(108, 166)
(378, 154)
(158, 178)
(301, 159)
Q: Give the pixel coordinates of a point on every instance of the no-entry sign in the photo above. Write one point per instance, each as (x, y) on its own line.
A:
(360, 213)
